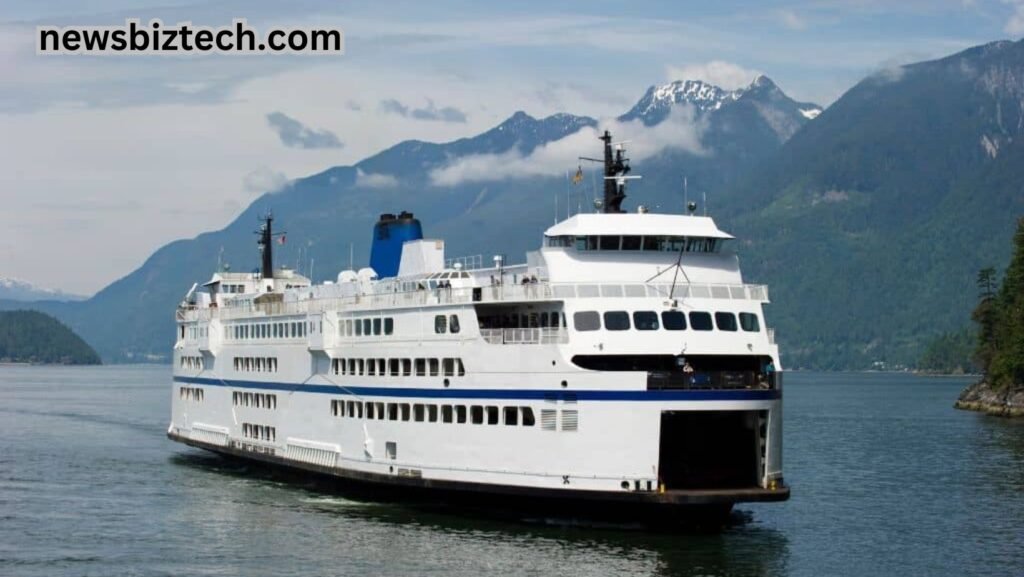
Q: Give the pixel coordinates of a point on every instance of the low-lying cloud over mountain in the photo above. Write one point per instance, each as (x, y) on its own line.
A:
(429, 112)
(295, 134)
(680, 131)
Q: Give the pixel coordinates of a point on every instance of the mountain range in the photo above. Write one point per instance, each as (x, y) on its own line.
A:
(868, 219)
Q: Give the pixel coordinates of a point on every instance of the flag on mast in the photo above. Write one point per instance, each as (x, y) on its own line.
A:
(280, 239)
(578, 177)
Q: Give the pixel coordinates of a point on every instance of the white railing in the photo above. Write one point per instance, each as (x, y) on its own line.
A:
(529, 336)
(542, 291)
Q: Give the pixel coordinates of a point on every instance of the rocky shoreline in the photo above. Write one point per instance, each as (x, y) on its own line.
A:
(983, 398)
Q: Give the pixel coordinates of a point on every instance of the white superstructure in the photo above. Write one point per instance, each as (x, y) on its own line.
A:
(626, 362)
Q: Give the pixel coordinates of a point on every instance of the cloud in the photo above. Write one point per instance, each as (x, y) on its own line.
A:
(375, 179)
(430, 112)
(680, 131)
(295, 134)
(790, 19)
(1015, 25)
(264, 179)
(723, 74)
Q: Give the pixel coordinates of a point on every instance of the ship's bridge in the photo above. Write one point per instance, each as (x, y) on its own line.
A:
(637, 247)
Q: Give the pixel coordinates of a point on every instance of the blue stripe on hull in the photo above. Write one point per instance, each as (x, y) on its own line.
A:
(525, 394)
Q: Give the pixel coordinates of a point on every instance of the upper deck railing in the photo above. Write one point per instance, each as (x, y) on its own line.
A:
(510, 293)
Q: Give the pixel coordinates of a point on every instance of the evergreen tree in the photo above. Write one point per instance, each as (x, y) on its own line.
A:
(984, 315)
(1007, 367)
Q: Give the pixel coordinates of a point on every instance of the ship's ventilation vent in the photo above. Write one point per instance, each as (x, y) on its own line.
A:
(209, 434)
(322, 454)
(548, 419)
(570, 420)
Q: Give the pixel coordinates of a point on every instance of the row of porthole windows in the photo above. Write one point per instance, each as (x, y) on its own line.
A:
(366, 327)
(264, 331)
(458, 414)
(191, 394)
(188, 362)
(258, 400)
(449, 367)
(256, 364)
(259, 432)
(424, 413)
(668, 320)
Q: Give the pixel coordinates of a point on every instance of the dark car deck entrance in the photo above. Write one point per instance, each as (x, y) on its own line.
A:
(708, 449)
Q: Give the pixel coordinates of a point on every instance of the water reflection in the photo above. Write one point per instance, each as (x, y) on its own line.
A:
(331, 527)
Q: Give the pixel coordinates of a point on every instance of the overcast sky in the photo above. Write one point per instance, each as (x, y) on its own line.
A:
(117, 155)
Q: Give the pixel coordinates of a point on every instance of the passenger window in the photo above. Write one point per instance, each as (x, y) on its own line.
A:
(460, 370)
(418, 413)
(433, 364)
(453, 324)
(725, 321)
(389, 326)
(616, 320)
(492, 415)
(476, 414)
(700, 321)
(645, 320)
(631, 243)
(749, 322)
(460, 414)
(366, 327)
(432, 413)
(446, 413)
(449, 367)
(376, 326)
(393, 365)
(527, 414)
(359, 328)
(406, 367)
(405, 411)
(392, 411)
(421, 367)
(609, 243)
(586, 321)
(511, 416)
(673, 321)
(440, 324)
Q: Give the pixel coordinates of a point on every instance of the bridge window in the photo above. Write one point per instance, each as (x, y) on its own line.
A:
(700, 321)
(726, 322)
(586, 321)
(749, 322)
(645, 320)
(616, 320)
(631, 243)
(673, 320)
(609, 242)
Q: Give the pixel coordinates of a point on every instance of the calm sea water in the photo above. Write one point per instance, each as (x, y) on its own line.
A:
(887, 479)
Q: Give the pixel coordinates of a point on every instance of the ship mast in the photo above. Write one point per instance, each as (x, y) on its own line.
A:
(266, 244)
(616, 169)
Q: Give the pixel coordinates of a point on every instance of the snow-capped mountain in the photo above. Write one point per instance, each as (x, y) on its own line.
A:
(19, 290)
(783, 114)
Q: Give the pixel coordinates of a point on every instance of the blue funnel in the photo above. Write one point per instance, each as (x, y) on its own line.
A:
(389, 234)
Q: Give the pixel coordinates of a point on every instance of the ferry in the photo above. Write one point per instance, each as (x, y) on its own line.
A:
(625, 369)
